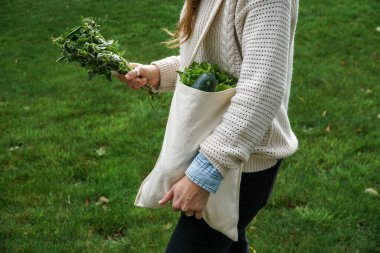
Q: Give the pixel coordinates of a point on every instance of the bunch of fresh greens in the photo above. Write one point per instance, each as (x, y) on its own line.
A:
(84, 44)
(206, 73)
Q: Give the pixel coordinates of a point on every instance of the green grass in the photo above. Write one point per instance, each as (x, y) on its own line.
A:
(53, 121)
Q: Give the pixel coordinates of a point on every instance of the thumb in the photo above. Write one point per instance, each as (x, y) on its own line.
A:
(135, 72)
(168, 196)
(142, 70)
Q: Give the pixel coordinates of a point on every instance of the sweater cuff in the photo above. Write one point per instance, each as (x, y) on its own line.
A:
(168, 75)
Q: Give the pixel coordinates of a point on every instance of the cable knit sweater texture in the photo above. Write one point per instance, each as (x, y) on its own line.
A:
(253, 40)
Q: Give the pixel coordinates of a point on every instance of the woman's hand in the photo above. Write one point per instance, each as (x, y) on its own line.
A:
(187, 197)
(140, 75)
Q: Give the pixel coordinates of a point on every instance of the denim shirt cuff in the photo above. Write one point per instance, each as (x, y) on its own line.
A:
(204, 174)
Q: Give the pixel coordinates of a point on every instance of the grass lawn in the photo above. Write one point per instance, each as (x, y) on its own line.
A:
(67, 143)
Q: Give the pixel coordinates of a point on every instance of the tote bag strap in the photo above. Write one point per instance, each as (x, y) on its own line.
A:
(206, 28)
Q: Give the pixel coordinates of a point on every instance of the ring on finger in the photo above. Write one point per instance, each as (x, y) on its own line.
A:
(189, 213)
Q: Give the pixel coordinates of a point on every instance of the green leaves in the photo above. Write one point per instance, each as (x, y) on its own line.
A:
(195, 70)
(84, 44)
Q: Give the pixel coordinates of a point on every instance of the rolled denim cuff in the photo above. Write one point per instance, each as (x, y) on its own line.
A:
(203, 173)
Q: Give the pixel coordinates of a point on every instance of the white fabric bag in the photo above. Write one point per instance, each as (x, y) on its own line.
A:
(193, 116)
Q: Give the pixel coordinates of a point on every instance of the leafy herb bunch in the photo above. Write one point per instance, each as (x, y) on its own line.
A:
(191, 74)
(84, 44)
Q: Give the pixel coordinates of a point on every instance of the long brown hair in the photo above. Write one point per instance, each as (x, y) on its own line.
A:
(184, 26)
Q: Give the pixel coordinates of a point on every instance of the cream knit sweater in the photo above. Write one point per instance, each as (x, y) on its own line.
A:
(253, 40)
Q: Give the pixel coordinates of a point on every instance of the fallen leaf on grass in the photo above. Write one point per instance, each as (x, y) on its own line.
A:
(378, 29)
(252, 249)
(101, 151)
(328, 128)
(14, 148)
(368, 91)
(117, 234)
(168, 225)
(324, 113)
(307, 130)
(103, 201)
(301, 99)
(372, 192)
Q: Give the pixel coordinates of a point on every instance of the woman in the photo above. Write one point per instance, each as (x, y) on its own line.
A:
(253, 41)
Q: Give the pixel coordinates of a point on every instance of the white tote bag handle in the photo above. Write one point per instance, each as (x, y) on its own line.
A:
(206, 29)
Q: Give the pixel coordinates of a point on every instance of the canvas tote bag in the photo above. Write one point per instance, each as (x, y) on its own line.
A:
(193, 116)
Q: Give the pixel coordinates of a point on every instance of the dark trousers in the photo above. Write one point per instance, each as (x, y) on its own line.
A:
(195, 236)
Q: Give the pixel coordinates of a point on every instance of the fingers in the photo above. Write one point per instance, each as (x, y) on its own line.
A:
(132, 74)
(199, 215)
(135, 78)
(139, 71)
(137, 83)
(185, 199)
(168, 197)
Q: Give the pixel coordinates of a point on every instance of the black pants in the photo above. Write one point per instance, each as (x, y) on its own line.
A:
(195, 236)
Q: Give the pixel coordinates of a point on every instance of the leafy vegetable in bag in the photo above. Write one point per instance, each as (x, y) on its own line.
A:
(84, 44)
(201, 76)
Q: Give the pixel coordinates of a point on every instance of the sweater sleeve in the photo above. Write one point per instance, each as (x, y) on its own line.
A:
(168, 75)
(261, 86)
